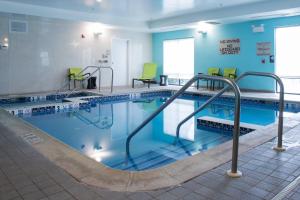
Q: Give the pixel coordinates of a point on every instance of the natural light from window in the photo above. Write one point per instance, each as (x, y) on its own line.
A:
(287, 57)
(178, 58)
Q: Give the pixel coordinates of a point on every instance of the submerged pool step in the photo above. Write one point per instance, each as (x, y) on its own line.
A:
(137, 159)
(165, 155)
(224, 125)
(179, 151)
(145, 161)
(156, 162)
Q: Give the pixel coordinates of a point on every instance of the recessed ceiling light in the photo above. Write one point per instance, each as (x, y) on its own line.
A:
(99, 1)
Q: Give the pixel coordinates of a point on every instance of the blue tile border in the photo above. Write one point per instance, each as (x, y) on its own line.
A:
(218, 126)
(157, 93)
(91, 101)
(290, 107)
(42, 98)
(104, 99)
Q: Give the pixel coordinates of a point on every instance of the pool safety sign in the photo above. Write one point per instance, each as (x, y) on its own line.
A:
(230, 46)
(263, 48)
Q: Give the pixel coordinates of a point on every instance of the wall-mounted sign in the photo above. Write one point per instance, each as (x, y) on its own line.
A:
(263, 48)
(230, 46)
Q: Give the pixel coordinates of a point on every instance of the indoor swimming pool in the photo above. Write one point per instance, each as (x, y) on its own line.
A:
(99, 129)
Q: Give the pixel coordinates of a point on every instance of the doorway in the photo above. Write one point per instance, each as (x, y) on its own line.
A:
(119, 61)
(287, 43)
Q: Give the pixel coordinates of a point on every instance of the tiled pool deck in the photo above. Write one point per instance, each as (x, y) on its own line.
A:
(26, 174)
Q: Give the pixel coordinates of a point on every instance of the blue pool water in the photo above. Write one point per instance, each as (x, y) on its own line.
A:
(100, 132)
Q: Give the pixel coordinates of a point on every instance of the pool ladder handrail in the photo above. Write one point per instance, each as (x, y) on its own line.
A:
(236, 130)
(112, 77)
(86, 78)
(97, 69)
(279, 146)
(281, 104)
(79, 74)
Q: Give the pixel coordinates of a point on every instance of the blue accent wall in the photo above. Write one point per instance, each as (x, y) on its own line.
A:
(207, 49)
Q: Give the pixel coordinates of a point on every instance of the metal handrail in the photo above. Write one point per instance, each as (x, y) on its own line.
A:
(94, 72)
(80, 73)
(112, 77)
(289, 78)
(172, 98)
(281, 105)
(98, 69)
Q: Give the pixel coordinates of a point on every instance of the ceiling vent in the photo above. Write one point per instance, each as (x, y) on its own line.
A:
(17, 26)
(213, 23)
(270, 16)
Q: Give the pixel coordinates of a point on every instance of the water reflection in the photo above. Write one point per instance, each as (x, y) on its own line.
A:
(103, 120)
(175, 113)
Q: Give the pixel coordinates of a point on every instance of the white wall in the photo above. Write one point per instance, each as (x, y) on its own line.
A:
(24, 67)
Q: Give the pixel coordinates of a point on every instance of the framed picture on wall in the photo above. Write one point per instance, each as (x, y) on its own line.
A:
(263, 48)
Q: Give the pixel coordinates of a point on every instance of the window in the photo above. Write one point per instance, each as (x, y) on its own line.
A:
(178, 61)
(287, 57)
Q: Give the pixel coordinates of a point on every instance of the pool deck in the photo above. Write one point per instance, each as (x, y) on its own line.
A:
(25, 173)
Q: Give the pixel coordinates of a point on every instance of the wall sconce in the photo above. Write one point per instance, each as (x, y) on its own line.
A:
(97, 34)
(258, 29)
(4, 43)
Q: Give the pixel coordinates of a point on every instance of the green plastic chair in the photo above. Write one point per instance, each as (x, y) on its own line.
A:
(149, 74)
(229, 73)
(76, 75)
(212, 71)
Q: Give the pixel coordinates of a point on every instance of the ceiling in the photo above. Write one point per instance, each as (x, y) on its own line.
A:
(153, 15)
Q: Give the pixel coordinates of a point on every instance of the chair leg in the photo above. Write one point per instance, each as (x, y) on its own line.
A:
(197, 84)
(148, 84)
(132, 83)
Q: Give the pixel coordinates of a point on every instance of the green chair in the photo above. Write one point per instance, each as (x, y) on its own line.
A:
(75, 74)
(212, 71)
(149, 74)
(229, 73)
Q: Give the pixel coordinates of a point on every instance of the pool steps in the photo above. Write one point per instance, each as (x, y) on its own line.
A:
(165, 155)
(144, 161)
